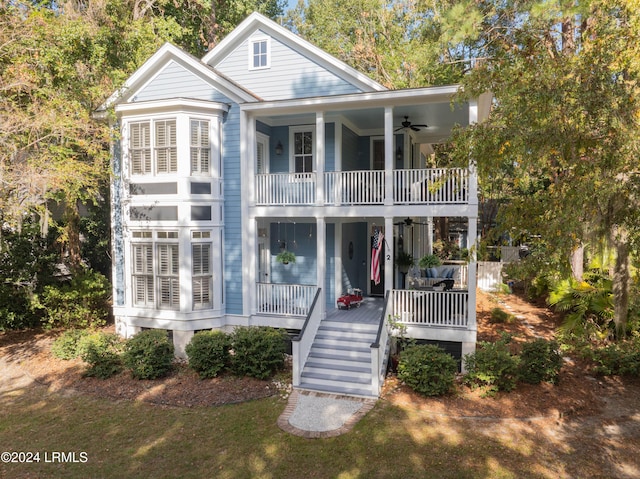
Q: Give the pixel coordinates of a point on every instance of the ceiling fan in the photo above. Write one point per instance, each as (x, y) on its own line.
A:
(407, 124)
(409, 222)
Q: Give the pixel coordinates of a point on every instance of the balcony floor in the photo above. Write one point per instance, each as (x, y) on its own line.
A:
(369, 311)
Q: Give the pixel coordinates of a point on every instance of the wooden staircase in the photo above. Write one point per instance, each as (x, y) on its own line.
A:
(339, 361)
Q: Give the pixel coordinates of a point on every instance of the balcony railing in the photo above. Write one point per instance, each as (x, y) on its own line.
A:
(284, 299)
(435, 186)
(432, 308)
(365, 187)
(286, 189)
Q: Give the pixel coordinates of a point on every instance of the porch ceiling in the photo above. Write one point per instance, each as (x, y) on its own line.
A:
(365, 113)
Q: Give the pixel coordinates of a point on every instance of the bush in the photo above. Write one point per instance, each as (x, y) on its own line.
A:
(82, 302)
(257, 351)
(622, 358)
(103, 353)
(208, 353)
(66, 345)
(149, 354)
(540, 360)
(427, 369)
(500, 316)
(492, 366)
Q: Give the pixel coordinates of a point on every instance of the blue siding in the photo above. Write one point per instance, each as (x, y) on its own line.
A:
(118, 233)
(354, 270)
(329, 283)
(350, 150)
(176, 81)
(291, 75)
(232, 216)
(301, 240)
(279, 163)
(329, 147)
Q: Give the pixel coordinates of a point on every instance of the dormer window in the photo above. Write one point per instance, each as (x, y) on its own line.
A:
(259, 53)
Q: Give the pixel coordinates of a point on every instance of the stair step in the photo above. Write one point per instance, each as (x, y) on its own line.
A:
(338, 379)
(340, 343)
(347, 391)
(313, 366)
(349, 356)
(341, 347)
(348, 327)
(341, 336)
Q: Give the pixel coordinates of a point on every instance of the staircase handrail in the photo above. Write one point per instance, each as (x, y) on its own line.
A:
(301, 344)
(379, 358)
(382, 321)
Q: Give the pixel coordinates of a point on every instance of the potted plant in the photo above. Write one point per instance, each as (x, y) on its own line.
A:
(429, 261)
(286, 257)
(404, 261)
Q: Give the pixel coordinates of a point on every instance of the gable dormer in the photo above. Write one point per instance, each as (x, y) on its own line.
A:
(275, 64)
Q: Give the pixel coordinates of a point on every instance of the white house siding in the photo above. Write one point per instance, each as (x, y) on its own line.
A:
(175, 81)
(291, 74)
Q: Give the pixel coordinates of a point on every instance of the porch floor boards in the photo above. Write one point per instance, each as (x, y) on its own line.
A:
(368, 312)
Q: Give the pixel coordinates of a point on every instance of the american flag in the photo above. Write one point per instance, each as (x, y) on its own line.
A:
(376, 249)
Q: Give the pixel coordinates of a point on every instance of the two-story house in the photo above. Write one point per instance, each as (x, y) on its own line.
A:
(269, 144)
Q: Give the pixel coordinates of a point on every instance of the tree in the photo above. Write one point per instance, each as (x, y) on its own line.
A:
(566, 119)
(397, 43)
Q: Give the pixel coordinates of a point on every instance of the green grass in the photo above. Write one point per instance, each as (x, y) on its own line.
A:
(138, 440)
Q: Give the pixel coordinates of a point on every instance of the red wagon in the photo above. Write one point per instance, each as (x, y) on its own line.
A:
(352, 298)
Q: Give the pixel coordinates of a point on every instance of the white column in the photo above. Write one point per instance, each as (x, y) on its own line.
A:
(321, 259)
(320, 158)
(248, 228)
(430, 235)
(389, 156)
(388, 253)
(471, 276)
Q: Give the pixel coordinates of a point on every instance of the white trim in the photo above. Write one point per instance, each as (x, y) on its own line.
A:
(258, 38)
(173, 105)
(257, 21)
(155, 64)
(301, 129)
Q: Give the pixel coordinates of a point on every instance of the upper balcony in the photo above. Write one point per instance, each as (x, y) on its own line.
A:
(435, 186)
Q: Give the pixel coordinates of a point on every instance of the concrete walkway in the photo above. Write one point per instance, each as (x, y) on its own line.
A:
(316, 415)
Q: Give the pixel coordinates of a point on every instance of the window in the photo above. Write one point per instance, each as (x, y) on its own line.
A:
(142, 275)
(303, 149)
(166, 150)
(201, 275)
(168, 279)
(200, 147)
(140, 148)
(163, 146)
(259, 54)
(155, 270)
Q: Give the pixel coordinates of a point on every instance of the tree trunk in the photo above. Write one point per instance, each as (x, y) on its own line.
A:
(577, 262)
(621, 278)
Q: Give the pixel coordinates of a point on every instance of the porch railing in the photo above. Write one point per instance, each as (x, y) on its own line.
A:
(284, 299)
(436, 185)
(286, 189)
(301, 344)
(431, 308)
(362, 187)
(380, 349)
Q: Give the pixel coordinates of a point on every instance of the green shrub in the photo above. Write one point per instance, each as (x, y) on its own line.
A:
(80, 303)
(622, 358)
(208, 353)
(540, 360)
(492, 366)
(102, 351)
(66, 345)
(149, 354)
(500, 316)
(427, 369)
(257, 351)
